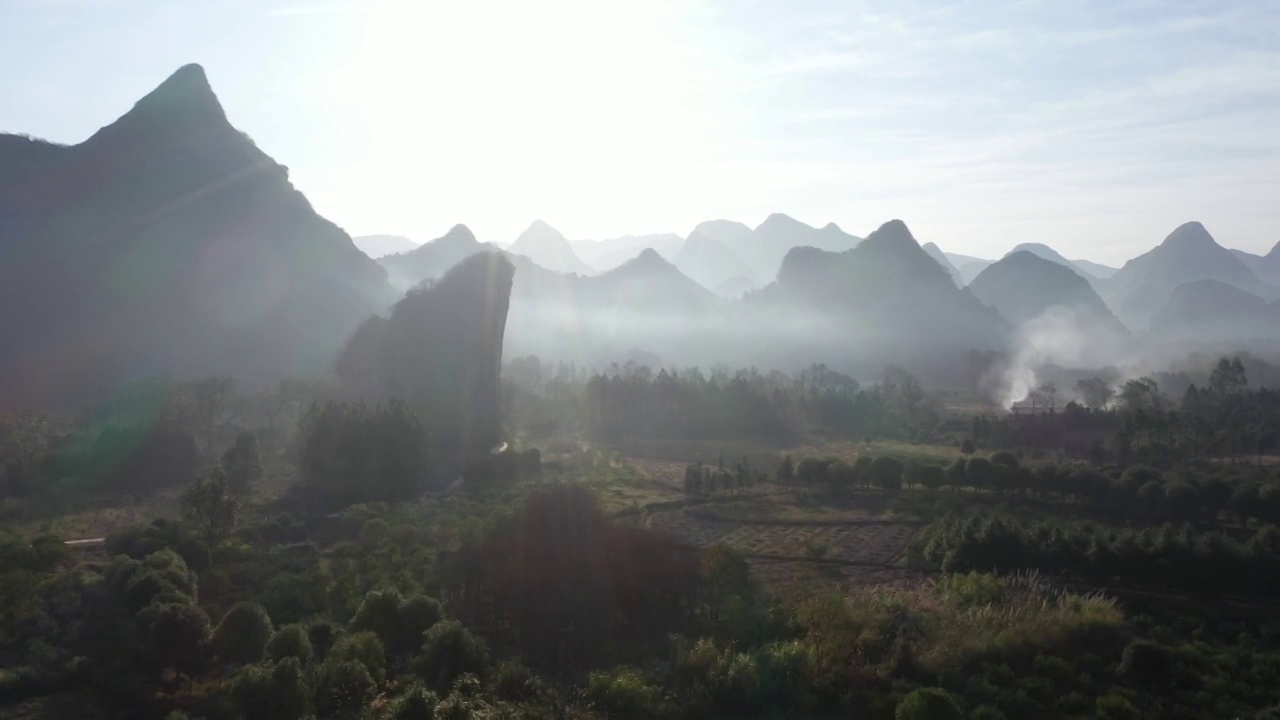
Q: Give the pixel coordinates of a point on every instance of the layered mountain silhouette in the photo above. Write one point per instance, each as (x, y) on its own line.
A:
(1266, 267)
(1025, 287)
(1146, 283)
(432, 259)
(884, 298)
(376, 246)
(940, 257)
(646, 283)
(968, 266)
(770, 242)
(167, 242)
(712, 263)
(736, 287)
(735, 235)
(1097, 270)
(609, 254)
(545, 246)
(1045, 252)
(1216, 312)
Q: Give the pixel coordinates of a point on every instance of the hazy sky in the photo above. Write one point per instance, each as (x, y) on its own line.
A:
(1096, 126)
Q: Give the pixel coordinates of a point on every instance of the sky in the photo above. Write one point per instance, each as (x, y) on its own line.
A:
(1095, 126)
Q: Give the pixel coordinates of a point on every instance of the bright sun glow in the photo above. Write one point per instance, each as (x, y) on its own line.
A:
(506, 111)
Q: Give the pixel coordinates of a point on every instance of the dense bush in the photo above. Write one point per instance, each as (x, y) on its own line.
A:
(277, 691)
(290, 641)
(1168, 556)
(364, 648)
(242, 635)
(450, 651)
(242, 463)
(928, 704)
(361, 453)
(342, 688)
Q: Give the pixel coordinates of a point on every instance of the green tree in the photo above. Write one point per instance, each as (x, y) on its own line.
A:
(290, 641)
(278, 691)
(176, 634)
(928, 704)
(786, 470)
(1095, 392)
(343, 688)
(450, 651)
(209, 505)
(415, 703)
(956, 475)
(886, 473)
(1148, 666)
(242, 635)
(363, 647)
(242, 463)
(360, 453)
(418, 614)
(379, 613)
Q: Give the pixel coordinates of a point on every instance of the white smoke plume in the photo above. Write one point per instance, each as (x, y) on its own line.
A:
(1059, 336)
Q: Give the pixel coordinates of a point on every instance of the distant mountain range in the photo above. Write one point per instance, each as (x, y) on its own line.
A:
(1053, 308)
(167, 242)
(608, 254)
(545, 245)
(1211, 311)
(887, 292)
(376, 246)
(1266, 267)
(432, 259)
(1146, 283)
(712, 263)
(941, 258)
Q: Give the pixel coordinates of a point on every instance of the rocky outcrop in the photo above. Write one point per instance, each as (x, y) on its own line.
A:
(441, 351)
(166, 243)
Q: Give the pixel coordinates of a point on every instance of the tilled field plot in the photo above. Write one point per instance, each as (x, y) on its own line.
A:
(866, 542)
(782, 554)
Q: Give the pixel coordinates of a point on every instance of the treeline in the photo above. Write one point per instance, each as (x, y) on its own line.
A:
(1137, 493)
(148, 436)
(1223, 420)
(634, 401)
(1165, 557)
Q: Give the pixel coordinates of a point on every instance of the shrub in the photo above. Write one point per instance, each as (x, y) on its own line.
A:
(1114, 706)
(242, 463)
(967, 447)
(176, 634)
(379, 613)
(161, 575)
(363, 647)
(1147, 664)
(243, 634)
(928, 704)
(929, 477)
(322, 634)
(450, 650)
(290, 641)
(622, 692)
(342, 688)
(415, 703)
(1005, 458)
(271, 692)
(886, 473)
(418, 614)
(355, 453)
(513, 681)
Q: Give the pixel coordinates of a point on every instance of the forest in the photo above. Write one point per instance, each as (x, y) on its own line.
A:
(676, 543)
